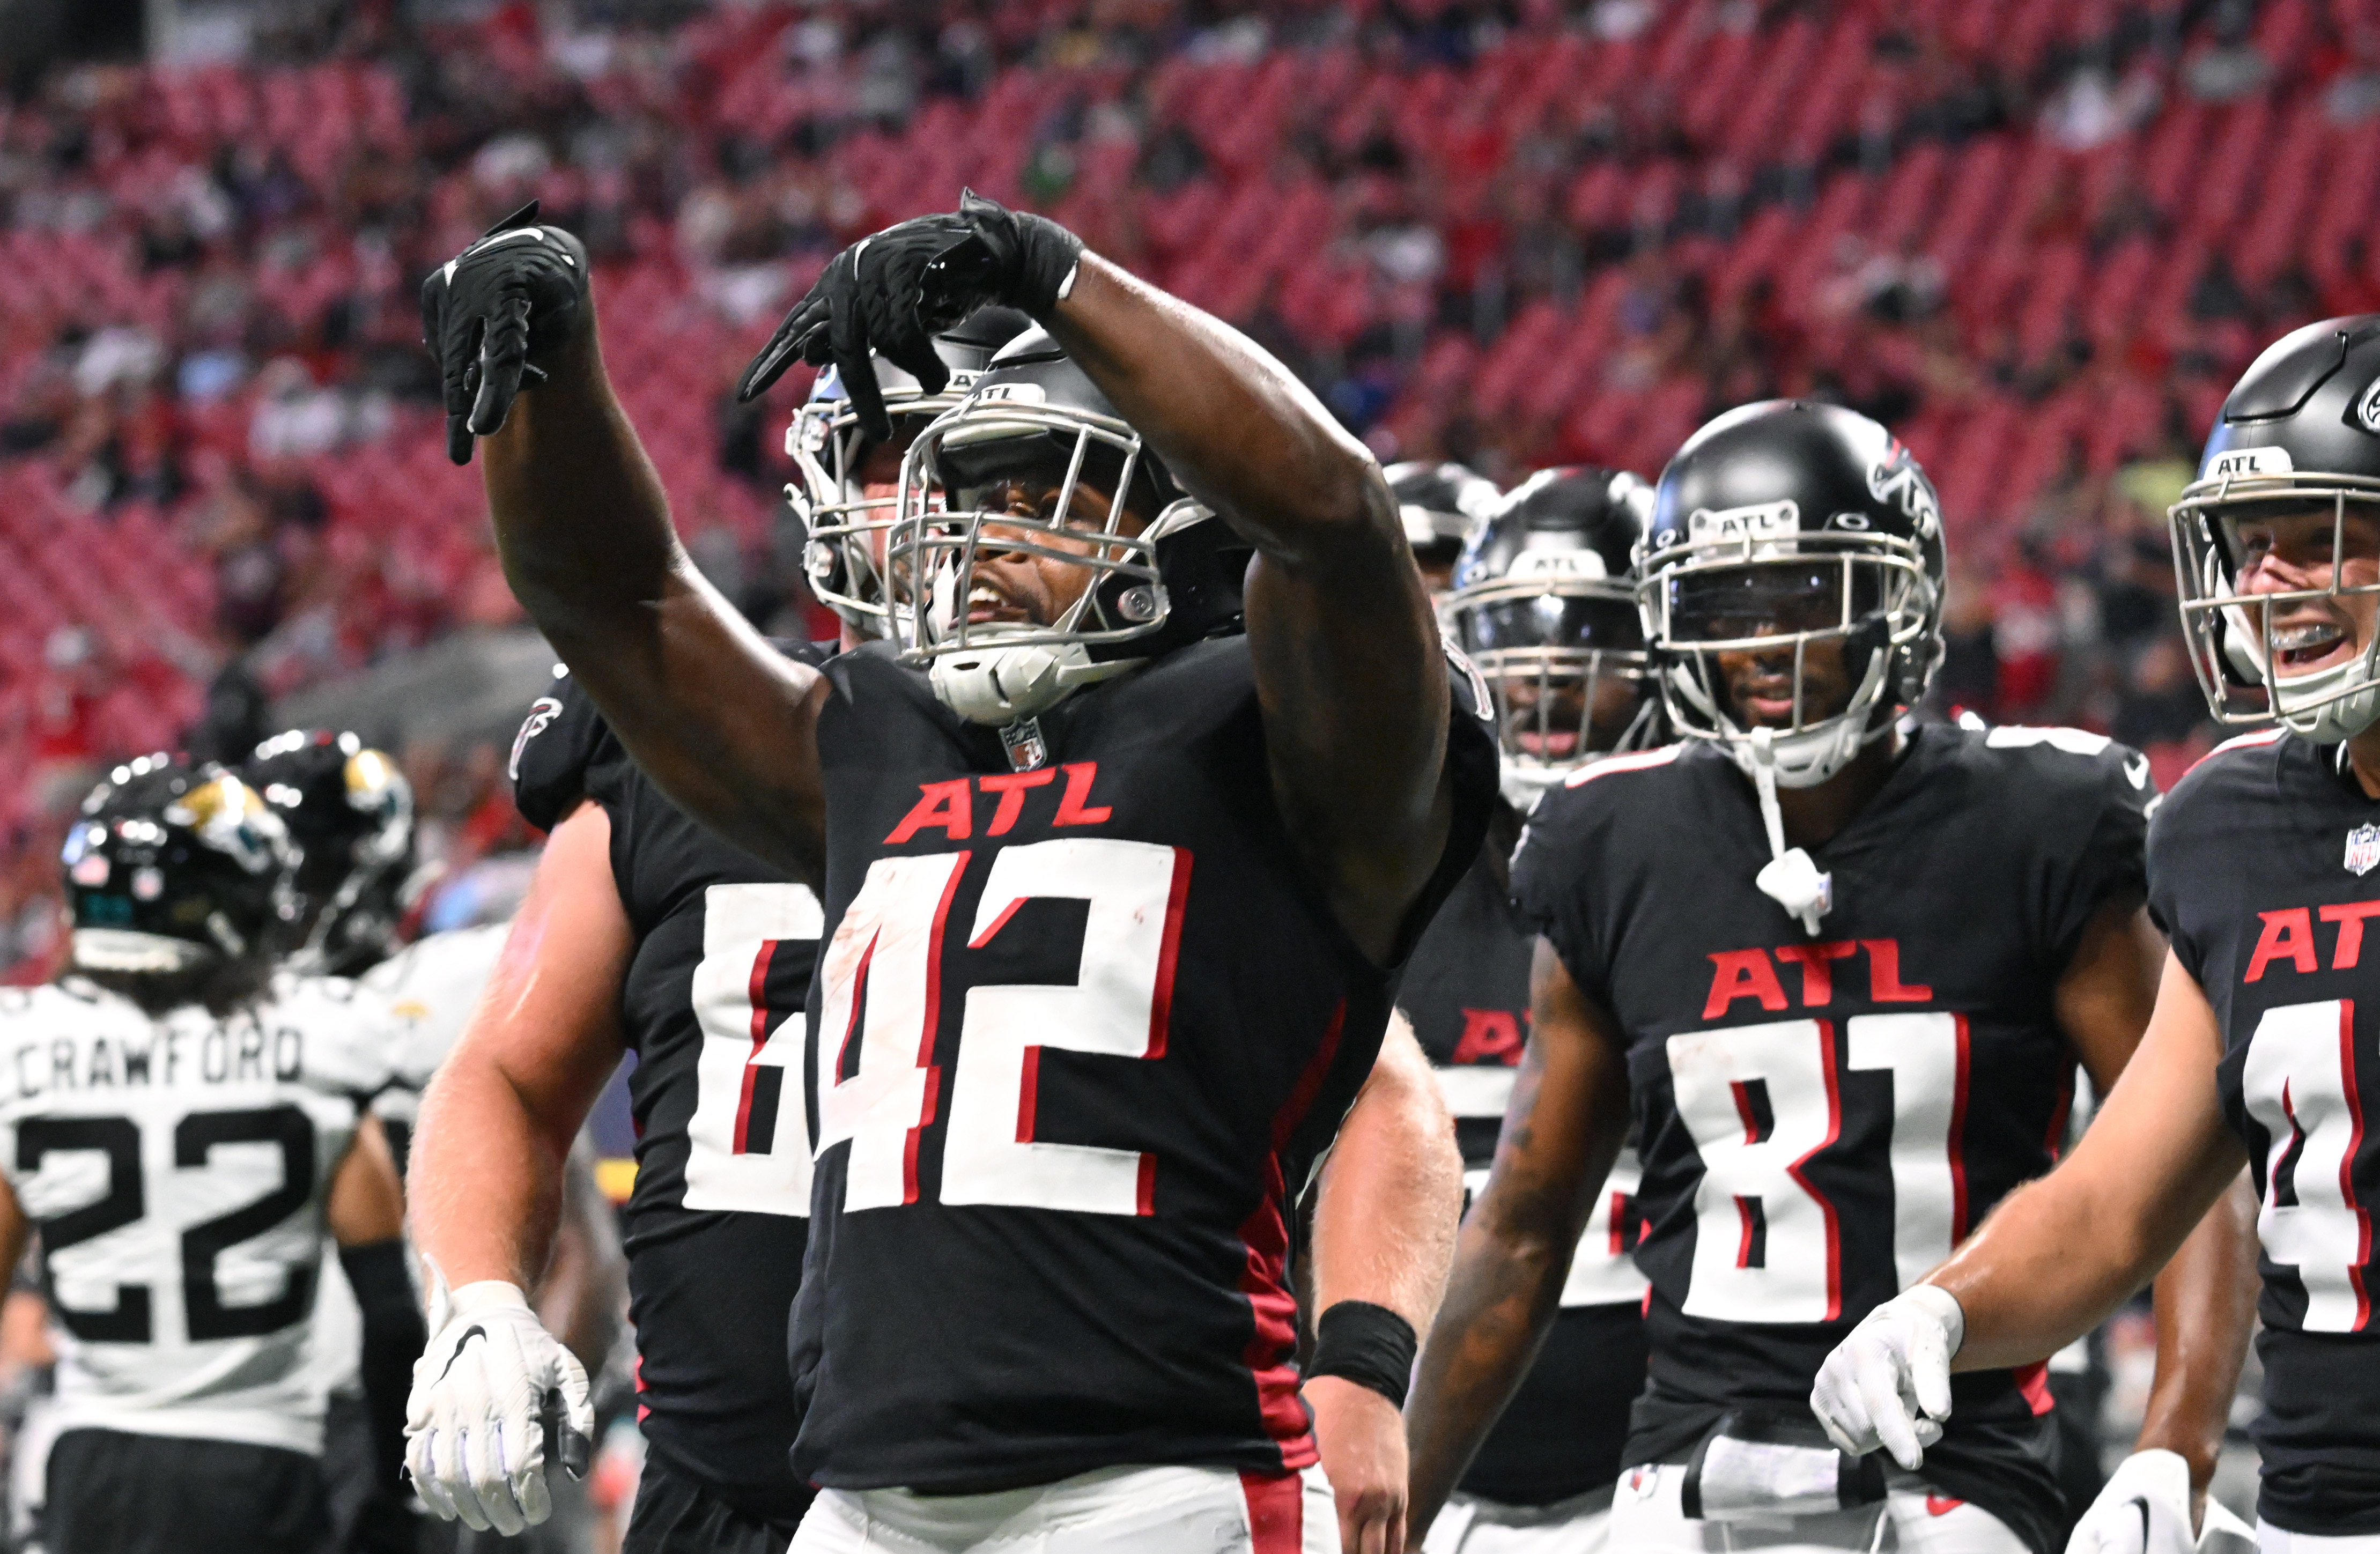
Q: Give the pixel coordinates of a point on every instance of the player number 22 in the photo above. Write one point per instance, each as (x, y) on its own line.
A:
(883, 980)
(1759, 1101)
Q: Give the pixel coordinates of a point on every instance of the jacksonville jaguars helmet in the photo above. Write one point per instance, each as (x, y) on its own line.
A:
(1779, 526)
(1545, 606)
(844, 549)
(349, 813)
(1036, 462)
(175, 868)
(2298, 436)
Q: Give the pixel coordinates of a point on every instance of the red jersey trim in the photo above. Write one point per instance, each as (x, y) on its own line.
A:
(1637, 762)
(1276, 1512)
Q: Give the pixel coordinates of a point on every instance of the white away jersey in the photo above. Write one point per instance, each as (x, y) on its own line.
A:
(176, 1167)
(430, 989)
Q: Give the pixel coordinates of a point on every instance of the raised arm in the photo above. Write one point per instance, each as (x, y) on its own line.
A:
(1348, 667)
(723, 724)
(1565, 1126)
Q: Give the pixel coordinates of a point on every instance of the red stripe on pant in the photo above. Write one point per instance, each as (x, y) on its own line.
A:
(1276, 1512)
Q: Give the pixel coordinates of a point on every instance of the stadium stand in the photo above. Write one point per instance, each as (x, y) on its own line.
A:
(2037, 236)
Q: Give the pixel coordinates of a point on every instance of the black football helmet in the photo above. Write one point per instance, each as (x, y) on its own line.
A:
(845, 527)
(349, 813)
(173, 869)
(1039, 439)
(1439, 504)
(1544, 605)
(2300, 434)
(1782, 525)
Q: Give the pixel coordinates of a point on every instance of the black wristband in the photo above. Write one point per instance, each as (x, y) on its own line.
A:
(1367, 1345)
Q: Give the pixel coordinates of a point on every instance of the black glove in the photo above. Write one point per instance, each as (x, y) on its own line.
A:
(895, 291)
(490, 311)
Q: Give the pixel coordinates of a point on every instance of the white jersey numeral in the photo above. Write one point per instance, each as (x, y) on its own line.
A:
(2299, 1082)
(1118, 1005)
(747, 1142)
(1759, 1101)
(878, 1084)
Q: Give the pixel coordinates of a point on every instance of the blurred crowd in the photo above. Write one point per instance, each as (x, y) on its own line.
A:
(1510, 233)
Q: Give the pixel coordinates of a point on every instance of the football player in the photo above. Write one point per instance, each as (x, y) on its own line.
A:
(1840, 967)
(1545, 608)
(1115, 888)
(2261, 1045)
(184, 1135)
(1439, 504)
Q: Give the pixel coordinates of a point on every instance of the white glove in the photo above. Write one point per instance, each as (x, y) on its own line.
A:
(475, 1426)
(2146, 1510)
(1889, 1384)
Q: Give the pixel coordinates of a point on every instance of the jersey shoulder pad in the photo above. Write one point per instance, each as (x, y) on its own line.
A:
(562, 741)
(2242, 768)
(427, 992)
(346, 1041)
(2070, 761)
(1614, 766)
(59, 1005)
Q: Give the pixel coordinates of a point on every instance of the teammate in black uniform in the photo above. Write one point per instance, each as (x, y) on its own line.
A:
(1439, 504)
(1840, 970)
(1112, 898)
(1546, 608)
(2262, 1047)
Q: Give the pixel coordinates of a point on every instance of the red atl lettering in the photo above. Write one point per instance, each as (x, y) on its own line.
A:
(1011, 786)
(1489, 1036)
(948, 805)
(1817, 976)
(2350, 918)
(1884, 973)
(1742, 974)
(2288, 933)
(1076, 809)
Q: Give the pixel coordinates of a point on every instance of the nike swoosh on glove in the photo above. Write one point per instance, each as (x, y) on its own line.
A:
(476, 1426)
(2146, 1510)
(491, 312)
(1889, 1384)
(893, 292)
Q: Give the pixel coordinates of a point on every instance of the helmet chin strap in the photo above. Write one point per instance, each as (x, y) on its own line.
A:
(1790, 877)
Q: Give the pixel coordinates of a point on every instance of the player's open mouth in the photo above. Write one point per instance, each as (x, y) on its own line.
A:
(2308, 645)
(1553, 744)
(988, 606)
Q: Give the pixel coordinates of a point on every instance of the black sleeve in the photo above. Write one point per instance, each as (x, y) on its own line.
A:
(565, 752)
(1471, 760)
(394, 1336)
(1552, 866)
(2107, 858)
(2173, 851)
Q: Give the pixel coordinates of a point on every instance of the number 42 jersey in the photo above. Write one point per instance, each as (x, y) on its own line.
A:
(1821, 1118)
(176, 1167)
(2261, 868)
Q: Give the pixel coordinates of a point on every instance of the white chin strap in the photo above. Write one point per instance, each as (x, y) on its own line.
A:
(2332, 721)
(997, 685)
(122, 950)
(1790, 877)
(1524, 785)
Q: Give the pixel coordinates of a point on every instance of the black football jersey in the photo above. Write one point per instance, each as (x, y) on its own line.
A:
(2261, 868)
(716, 1225)
(1081, 1032)
(1820, 1119)
(1466, 991)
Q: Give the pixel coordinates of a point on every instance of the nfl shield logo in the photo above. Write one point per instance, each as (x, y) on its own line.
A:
(2362, 848)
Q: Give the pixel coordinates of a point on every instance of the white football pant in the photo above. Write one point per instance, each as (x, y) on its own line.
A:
(1577, 1525)
(1115, 1510)
(1646, 1518)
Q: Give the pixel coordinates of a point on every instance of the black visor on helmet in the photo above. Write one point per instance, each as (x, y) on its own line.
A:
(1732, 604)
(1551, 620)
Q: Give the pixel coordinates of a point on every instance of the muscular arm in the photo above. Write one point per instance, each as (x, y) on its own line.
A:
(1383, 1234)
(2206, 1296)
(1566, 1123)
(498, 1120)
(2060, 1255)
(726, 726)
(1348, 670)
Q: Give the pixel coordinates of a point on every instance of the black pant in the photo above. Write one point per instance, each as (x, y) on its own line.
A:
(113, 1492)
(678, 1514)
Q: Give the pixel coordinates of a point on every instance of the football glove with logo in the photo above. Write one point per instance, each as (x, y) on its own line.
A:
(894, 292)
(491, 312)
(2146, 1510)
(495, 1396)
(1889, 1384)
